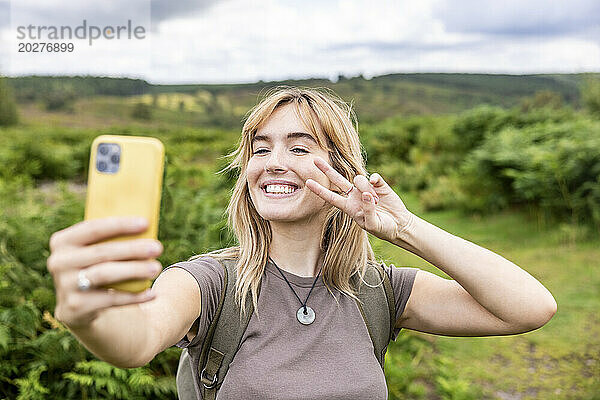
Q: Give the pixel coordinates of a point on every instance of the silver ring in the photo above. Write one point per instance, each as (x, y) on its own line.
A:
(83, 283)
(349, 190)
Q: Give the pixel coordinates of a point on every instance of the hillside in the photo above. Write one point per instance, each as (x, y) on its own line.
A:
(375, 99)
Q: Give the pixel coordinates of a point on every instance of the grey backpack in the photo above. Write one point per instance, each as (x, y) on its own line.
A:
(225, 332)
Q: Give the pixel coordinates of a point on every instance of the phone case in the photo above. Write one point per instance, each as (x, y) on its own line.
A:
(131, 188)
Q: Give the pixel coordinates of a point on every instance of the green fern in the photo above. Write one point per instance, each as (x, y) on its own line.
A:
(120, 383)
(30, 387)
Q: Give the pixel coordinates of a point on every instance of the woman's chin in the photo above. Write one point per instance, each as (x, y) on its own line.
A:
(276, 217)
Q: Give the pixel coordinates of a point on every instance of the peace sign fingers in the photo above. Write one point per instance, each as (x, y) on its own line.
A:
(350, 190)
(371, 202)
(334, 176)
(360, 182)
(327, 195)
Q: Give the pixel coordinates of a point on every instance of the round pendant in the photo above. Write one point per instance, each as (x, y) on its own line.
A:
(305, 319)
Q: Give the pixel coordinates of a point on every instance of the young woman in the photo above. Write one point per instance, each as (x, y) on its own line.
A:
(301, 210)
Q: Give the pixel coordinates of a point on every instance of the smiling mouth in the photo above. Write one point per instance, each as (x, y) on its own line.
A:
(279, 190)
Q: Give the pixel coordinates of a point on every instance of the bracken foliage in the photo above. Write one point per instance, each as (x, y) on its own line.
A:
(8, 108)
(543, 156)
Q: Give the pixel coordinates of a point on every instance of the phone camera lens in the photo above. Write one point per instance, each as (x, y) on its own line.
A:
(115, 158)
(103, 150)
(102, 166)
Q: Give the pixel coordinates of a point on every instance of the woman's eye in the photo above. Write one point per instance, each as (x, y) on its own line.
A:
(297, 150)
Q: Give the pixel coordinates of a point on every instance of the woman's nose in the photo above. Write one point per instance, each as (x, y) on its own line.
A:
(276, 162)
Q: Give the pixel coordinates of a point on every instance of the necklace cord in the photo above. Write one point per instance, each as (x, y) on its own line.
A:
(290, 285)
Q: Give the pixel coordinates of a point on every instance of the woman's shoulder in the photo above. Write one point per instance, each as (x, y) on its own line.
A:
(402, 279)
(212, 260)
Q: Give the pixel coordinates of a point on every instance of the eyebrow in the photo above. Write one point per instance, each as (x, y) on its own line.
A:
(291, 135)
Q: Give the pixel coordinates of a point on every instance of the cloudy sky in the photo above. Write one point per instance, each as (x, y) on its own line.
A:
(243, 41)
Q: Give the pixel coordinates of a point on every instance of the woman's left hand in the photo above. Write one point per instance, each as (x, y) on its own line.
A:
(370, 202)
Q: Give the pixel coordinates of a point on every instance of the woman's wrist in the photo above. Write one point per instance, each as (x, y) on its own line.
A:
(406, 224)
(120, 336)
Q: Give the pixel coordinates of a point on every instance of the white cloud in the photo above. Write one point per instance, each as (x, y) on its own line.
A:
(242, 41)
(518, 17)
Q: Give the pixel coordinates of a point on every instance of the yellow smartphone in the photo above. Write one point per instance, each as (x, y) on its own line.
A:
(125, 179)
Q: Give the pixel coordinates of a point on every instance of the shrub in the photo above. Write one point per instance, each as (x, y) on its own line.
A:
(542, 99)
(59, 99)
(410, 151)
(472, 127)
(8, 108)
(555, 167)
(590, 94)
(141, 111)
(408, 366)
(42, 154)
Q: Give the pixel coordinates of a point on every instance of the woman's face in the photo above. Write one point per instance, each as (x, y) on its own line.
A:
(282, 160)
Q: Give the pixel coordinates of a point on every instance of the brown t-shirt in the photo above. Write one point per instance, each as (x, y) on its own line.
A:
(279, 358)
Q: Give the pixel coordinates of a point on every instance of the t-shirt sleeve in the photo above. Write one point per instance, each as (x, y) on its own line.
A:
(402, 279)
(209, 275)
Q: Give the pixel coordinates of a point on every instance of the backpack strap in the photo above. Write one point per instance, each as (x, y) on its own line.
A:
(224, 335)
(378, 308)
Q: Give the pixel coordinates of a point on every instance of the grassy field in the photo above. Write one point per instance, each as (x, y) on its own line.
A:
(562, 359)
(559, 361)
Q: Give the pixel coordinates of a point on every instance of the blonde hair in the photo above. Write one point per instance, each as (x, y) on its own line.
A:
(345, 244)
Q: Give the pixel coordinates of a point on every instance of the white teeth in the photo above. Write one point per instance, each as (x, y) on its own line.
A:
(279, 189)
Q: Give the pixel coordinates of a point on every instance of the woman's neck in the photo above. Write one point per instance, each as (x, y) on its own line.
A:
(295, 247)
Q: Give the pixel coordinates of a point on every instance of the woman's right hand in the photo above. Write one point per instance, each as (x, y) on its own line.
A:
(76, 247)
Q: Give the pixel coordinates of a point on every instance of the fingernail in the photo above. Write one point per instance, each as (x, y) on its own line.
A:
(154, 247)
(140, 222)
(153, 268)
